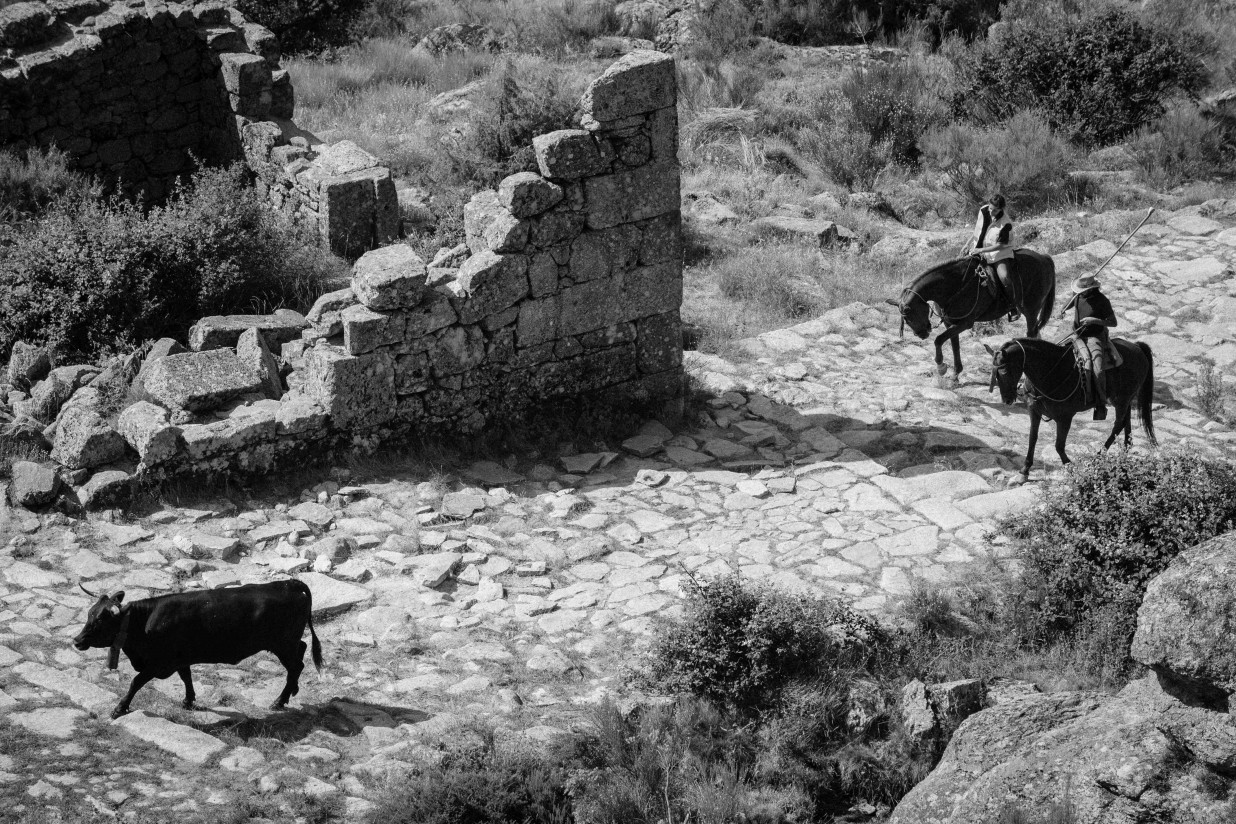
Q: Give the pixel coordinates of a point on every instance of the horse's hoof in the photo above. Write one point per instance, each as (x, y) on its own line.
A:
(279, 705)
(1018, 480)
(941, 369)
(119, 711)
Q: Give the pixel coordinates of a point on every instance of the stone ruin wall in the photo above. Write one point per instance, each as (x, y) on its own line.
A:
(569, 286)
(132, 90)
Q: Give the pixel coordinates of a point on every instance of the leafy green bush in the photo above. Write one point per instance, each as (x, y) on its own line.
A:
(479, 785)
(1114, 522)
(887, 101)
(1179, 147)
(1024, 158)
(91, 276)
(1097, 76)
(741, 644)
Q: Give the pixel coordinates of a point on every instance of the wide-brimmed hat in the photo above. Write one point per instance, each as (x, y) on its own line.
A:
(1084, 283)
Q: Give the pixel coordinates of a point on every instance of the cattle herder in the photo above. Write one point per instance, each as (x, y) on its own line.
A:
(1092, 317)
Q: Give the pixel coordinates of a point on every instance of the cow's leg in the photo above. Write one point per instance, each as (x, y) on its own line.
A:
(293, 658)
(140, 680)
(190, 695)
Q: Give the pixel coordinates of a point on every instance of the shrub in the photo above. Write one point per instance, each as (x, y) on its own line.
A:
(1113, 523)
(1025, 159)
(741, 644)
(1209, 393)
(31, 184)
(304, 25)
(1097, 76)
(1178, 147)
(92, 276)
(887, 102)
(479, 785)
(823, 22)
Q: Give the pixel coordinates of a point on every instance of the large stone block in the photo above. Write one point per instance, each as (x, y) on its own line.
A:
(488, 225)
(557, 227)
(661, 239)
(357, 391)
(255, 354)
(543, 275)
(27, 363)
(145, 427)
(412, 373)
(663, 134)
(244, 75)
(392, 277)
(597, 254)
(538, 321)
(640, 82)
(659, 343)
(220, 331)
(434, 314)
(586, 373)
(365, 330)
(488, 283)
(525, 194)
(570, 154)
(458, 349)
(200, 381)
(589, 306)
(33, 485)
(84, 440)
(651, 290)
(626, 197)
(24, 24)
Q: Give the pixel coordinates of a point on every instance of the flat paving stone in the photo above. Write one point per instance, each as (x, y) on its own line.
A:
(185, 743)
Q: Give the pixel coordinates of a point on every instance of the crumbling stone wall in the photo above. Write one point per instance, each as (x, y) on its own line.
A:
(133, 89)
(569, 286)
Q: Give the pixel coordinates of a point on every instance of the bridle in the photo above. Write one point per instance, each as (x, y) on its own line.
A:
(998, 365)
(978, 296)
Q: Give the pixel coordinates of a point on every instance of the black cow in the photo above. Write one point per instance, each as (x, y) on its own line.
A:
(170, 633)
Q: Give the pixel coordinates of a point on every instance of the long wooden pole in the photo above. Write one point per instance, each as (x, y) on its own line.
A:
(1149, 212)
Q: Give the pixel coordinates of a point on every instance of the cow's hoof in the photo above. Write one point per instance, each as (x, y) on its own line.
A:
(187, 703)
(279, 705)
(119, 711)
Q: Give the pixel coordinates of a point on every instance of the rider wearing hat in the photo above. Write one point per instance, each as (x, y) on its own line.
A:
(1092, 316)
(993, 241)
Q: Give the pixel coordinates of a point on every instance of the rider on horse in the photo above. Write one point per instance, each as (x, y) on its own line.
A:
(993, 241)
(1092, 316)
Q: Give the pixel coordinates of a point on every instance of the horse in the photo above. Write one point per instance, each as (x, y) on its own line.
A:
(963, 300)
(1054, 381)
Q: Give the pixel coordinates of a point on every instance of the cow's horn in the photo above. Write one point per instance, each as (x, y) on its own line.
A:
(992, 387)
(990, 351)
(891, 302)
(88, 592)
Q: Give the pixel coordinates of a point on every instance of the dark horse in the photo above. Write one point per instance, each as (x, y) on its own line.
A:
(1054, 382)
(964, 300)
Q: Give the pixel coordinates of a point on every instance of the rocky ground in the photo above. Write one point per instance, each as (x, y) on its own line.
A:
(516, 592)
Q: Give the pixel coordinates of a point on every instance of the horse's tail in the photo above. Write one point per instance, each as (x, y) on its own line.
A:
(1145, 395)
(1049, 301)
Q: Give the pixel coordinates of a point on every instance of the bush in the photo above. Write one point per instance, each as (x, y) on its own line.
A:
(824, 22)
(741, 644)
(479, 785)
(92, 276)
(32, 184)
(1097, 76)
(304, 25)
(1179, 147)
(1025, 159)
(1113, 523)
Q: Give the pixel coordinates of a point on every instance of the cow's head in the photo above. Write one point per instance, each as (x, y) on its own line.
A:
(102, 622)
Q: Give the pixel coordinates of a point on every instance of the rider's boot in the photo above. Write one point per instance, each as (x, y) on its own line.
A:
(1100, 395)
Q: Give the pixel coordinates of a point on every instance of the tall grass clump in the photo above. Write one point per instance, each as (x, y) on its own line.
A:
(1024, 158)
(32, 183)
(1179, 147)
(1097, 76)
(90, 276)
(1109, 526)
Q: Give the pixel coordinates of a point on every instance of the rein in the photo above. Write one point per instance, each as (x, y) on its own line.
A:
(978, 296)
(1038, 390)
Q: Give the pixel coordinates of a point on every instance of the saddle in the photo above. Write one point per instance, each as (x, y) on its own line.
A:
(990, 281)
(1111, 359)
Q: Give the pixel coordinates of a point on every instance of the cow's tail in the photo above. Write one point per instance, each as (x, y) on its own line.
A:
(1146, 394)
(315, 645)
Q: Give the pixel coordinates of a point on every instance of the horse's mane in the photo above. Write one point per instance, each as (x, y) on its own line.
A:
(941, 268)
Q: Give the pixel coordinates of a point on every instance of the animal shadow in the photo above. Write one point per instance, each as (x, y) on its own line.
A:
(339, 716)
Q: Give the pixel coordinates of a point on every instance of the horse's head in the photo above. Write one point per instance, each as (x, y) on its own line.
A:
(915, 313)
(1007, 365)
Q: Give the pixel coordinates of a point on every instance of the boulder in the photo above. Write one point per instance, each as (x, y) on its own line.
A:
(638, 83)
(49, 395)
(253, 352)
(450, 258)
(392, 277)
(200, 381)
(460, 37)
(219, 331)
(704, 207)
(525, 194)
(1182, 625)
(145, 427)
(84, 440)
(33, 485)
(106, 489)
(823, 232)
(25, 24)
(1112, 760)
(610, 46)
(27, 363)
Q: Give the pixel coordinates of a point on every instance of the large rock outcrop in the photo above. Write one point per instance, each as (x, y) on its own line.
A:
(1163, 749)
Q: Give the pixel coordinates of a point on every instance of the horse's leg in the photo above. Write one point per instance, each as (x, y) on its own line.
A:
(1036, 418)
(1123, 413)
(957, 330)
(1063, 424)
(940, 339)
